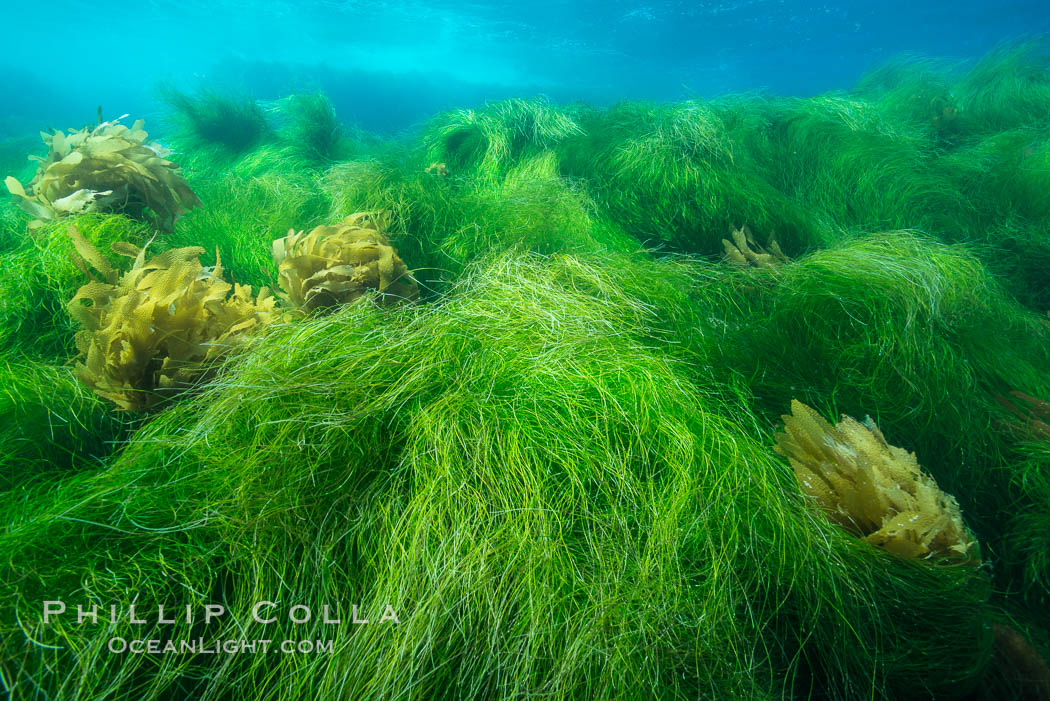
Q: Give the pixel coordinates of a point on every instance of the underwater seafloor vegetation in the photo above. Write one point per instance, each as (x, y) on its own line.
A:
(560, 465)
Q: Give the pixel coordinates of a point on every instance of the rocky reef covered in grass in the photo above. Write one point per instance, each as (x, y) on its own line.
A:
(537, 414)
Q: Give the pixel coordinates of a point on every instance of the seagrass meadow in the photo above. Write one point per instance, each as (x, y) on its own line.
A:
(558, 466)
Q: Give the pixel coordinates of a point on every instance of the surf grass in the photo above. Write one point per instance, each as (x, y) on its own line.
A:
(14, 162)
(1007, 174)
(313, 129)
(802, 170)
(1029, 530)
(916, 146)
(1008, 89)
(486, 142)
(242, 216)
(12, 223)
(558, 470)
(39, 278)
(1007, 178)
(213, 126)
(668, 172)
(845, 160)
(215, 133)
(50, 424)
(875, 150)
(440, 225)
(494, 467)
(307, 139)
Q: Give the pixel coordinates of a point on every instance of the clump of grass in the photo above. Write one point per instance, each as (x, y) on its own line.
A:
(50, 424)
(1028, 528)
(917, 93)
(1008, 89)
(12, 227)
(312, 128)
(39, 278)
(489, 141)
(1006, 178)
(31, 314)
(901, 151)
(493, 468)
(674, 174)
(1005, 175)
(242, 217)
(442, 225)
(15, 163)
(846, 162)
(213, 125)
(532, 208)
(308, 139)
(677, 159)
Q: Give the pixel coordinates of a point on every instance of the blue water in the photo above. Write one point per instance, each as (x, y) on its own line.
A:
(388, 65)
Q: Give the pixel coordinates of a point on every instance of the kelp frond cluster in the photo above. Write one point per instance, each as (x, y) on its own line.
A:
(110, 168)
(157, 328)
(873, 489)
(336, 264)
(744, 251)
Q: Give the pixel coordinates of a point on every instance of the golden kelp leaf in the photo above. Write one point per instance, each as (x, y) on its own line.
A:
(58, 143)
(123, 248)
(77, 201)
(73, 159)
(28, 204)
(91, 255)
(872, 489)
(336, 264)
(97, 147)
(14, 187)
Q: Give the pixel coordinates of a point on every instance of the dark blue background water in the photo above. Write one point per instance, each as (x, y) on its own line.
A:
(388, 65)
